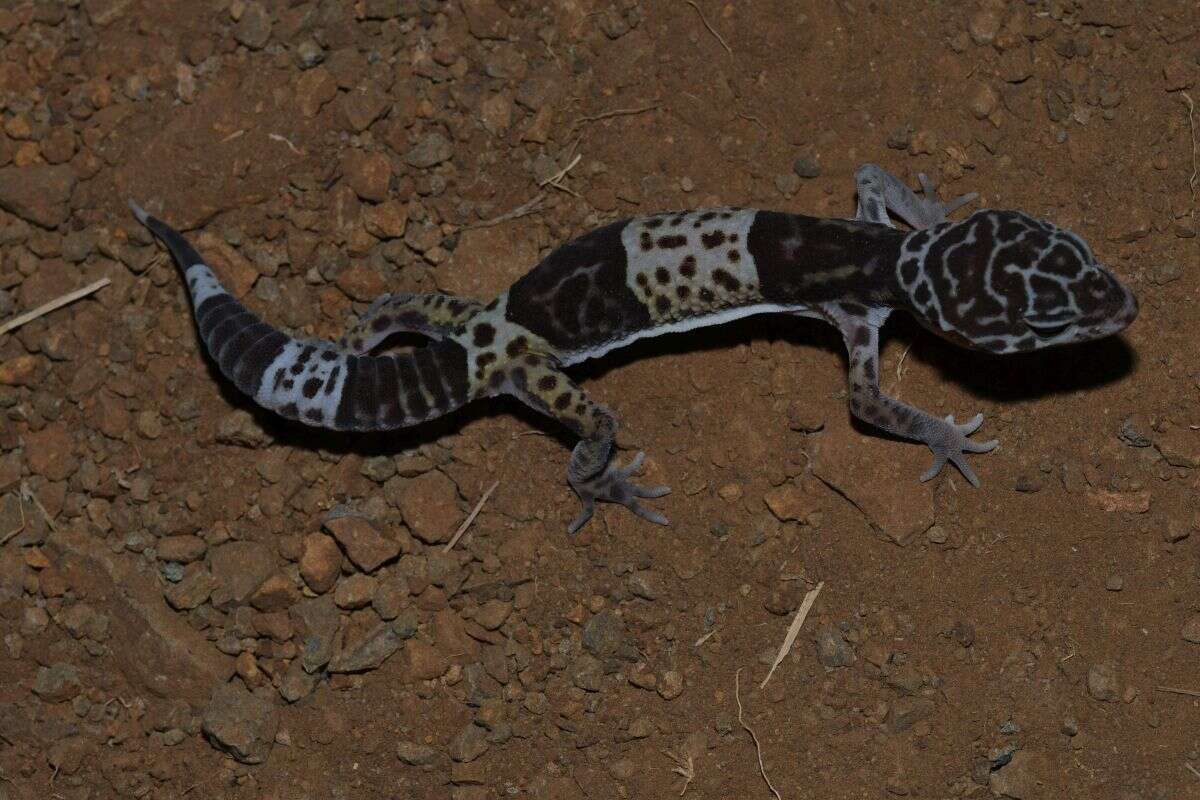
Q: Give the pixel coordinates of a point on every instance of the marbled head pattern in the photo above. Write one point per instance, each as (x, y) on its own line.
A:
(998, 280)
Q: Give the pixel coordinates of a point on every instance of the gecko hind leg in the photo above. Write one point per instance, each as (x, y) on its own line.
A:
(592, 471)
(880, 192)
(433, 315)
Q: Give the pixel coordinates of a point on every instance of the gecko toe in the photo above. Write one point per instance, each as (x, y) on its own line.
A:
(612, 485)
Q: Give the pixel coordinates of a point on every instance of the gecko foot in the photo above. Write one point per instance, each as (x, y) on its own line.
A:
(933, 210)
(612, 485)
(950, 442)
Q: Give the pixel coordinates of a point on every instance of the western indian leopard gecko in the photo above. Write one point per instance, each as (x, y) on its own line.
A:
(999, 281)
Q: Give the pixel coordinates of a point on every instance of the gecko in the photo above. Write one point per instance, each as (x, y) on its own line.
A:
(998, 281)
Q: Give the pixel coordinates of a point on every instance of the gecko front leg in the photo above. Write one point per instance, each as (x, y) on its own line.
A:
(879, 192)
(948, 440)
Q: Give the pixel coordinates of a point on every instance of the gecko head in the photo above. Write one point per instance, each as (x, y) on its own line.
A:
(1005, 282)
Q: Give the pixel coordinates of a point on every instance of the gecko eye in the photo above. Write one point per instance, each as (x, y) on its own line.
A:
(1048, 328)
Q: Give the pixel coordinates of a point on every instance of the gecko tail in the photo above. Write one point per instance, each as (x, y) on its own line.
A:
(315, 382)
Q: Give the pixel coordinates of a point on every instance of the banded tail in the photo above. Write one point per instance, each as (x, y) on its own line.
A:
(315, 382)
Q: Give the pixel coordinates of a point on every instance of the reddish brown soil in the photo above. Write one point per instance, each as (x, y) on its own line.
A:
(1011, 640)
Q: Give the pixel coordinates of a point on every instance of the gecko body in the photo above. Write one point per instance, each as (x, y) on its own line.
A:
(999, 281)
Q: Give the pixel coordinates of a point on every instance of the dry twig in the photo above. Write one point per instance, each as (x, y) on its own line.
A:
(1195, 169)
(525, 209)
(53, 305)
(4, 539)
(757, 747)
(470, 517)
(617, 112)
(793, 630)
(29, 497)
(556, 180)
(711, 29)
(685, 766)
(281, 138)
(1173, 690)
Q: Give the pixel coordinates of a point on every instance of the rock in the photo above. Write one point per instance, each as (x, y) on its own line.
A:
(368, 174)
(316, 621)
(19, 371)
(1020, 778)
(360, 282)
(832, 648)
(38, 193)
(369, 653)
(983, 101)
(84, 622)
(1191, 629)
(314, 89)
(240, 723)
(239, 428)
(355, 591)
(105, 12)
(849, 463)
(57, 683)
(391, 596)
(183, 549)
(431, 150)
(239, 568)
(386, 221)
(195, 589)
(364, 545)
(363, 105)
(1177, 74)
(670, 685)
(605, 636)
(320, 562)
(805, 167)
(429, 504)
(254, 27)
(424, 661)
(788, 503)
(415, 755)
(48, 452)
(984, 24)
(908, 711)
(277, 593)
(470, 743)
(495, 112)
(297, 684)
(485, 19)
(491, 615)
(1103, 683)
(1128, 502)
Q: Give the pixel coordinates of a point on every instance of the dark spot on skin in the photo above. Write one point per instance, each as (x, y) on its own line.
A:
(483, 359)
(854, 309)
(641, 279)
(688, 267)
(662, 304)
(562, 401)
(580, 409)
(662, 276)
(315, 415)
(676, 221)
(733, 237)
(648, 291)
(726, 214)
(532, 360)
(439, 300)
(296, 368)
(279, 373)
(726, 281)
(288, 383)
(485, 334)
(333, 376)
(289, 410)
(707, 215)
(380, 322)
(706, 295)
(497, 379)
(713, 239)
(862, 337)
(868, 371)
(654, 223)
(672, 242)
(908, 271)
(922, 295)
(547, 383)
(311, 387)
(492, 306)
(683, 292)
(647, 242)
(306, 354)
(517, 346)
(735, 256)
(329, 355)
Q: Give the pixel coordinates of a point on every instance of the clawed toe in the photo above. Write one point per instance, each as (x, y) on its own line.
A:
(953, 445)
(612, 485)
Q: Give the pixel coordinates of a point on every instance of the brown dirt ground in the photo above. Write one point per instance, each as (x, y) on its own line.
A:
(1037, 616)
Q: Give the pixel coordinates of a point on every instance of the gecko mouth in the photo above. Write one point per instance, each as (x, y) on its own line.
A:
(1050, 331)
